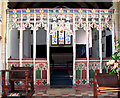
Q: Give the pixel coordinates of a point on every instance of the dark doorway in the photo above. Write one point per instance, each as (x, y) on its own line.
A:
(109, 46)
(61, 64)
(41, 51)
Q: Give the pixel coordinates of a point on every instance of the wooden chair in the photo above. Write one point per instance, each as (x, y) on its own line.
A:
(24, 74)
(105, 82)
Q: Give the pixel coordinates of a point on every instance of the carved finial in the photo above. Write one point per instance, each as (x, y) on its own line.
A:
(28, 10)
(14, 11)
(79, 10)
(61, 10)
(41, 11)
(93, 11)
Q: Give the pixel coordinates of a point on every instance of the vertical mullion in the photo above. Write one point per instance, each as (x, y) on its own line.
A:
(48, 50)
(21, 42)
(87, 48)
(34, 45)
(100, 43)
(74, 50)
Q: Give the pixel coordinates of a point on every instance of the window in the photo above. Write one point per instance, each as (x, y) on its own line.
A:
(61, 37)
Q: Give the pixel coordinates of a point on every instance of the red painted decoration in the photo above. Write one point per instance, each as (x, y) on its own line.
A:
(97, 71)
(61, 31)
(24, 82)
(38, 82)
(44, 74)
(78, 81)
(41, 66)
(91, 81)
(84, 75)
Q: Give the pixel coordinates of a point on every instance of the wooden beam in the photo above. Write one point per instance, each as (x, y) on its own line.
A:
(89, 5)
(73, 5)
(36, 5)
(100, 5)
(12, 5)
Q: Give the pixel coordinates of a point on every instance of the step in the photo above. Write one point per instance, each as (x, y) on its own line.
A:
(61, 91)
(61, 82)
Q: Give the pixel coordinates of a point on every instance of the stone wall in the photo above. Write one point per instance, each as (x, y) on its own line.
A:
(3, 7)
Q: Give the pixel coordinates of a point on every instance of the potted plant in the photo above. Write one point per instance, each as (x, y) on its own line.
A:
(114, 63)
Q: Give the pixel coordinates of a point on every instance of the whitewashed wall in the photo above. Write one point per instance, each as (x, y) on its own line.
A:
(80, 37)
(14, 44)
(41, 37)
(27, 43)
(95, 43)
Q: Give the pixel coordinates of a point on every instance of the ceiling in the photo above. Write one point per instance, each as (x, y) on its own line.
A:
(96, 5)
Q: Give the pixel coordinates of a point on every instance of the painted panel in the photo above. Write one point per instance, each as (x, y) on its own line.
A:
(61, 36)
(81, 73)
(67, 38)
(94, 66)
(41, 72)
(54, 38)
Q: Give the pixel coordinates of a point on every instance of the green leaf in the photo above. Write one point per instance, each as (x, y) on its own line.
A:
(116, 69)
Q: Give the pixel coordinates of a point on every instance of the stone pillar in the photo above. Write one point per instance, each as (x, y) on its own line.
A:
(3, 32)
(117, 18)
(3, 7)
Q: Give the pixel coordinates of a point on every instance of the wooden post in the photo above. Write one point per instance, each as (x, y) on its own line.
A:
(34, 45)
(100, 43)
(7, 42)
(26, 83)
(21, 43)
(48, 51)
(94, 86)
(113, 33)
(119, 83)
(3, 83)
(74, 50)
(87, 48)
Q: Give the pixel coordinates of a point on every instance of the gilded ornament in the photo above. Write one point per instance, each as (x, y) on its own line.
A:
(14, 11)
(28, 10)
(61, 10)
(68, 11)
(79, 10)
(41, 11)
(106, 11)
(54, 11)
(93, 11)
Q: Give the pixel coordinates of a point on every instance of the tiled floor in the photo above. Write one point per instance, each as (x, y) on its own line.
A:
(70, 92)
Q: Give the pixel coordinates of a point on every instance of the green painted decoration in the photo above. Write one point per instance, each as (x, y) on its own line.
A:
(44, 82)
(84, 81)
(38, 74)
(91, 73)
(78, 74)
(104, 70)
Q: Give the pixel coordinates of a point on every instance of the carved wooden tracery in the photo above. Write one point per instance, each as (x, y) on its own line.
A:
(64, 21)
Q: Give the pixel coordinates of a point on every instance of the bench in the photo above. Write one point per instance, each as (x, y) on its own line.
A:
(24, 74)
(105, 82)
